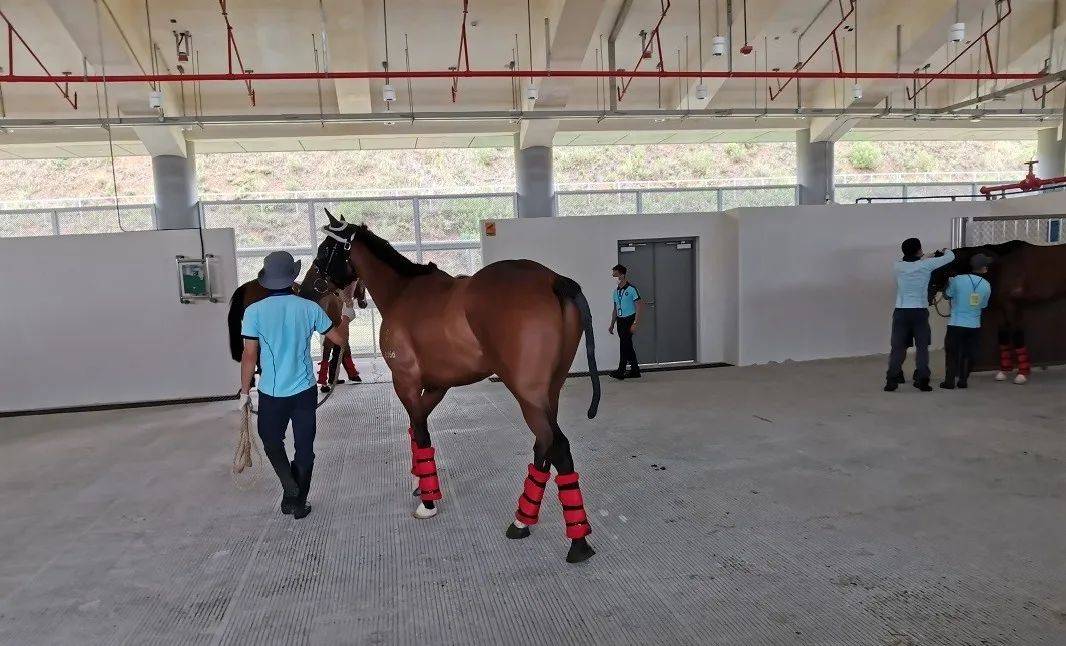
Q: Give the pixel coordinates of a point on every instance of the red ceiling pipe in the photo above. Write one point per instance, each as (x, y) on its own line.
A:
(61, 82)
(431, 74)
(232, 51)
(653, 40)
(836, 47)
(1030, 183)
(911, 96)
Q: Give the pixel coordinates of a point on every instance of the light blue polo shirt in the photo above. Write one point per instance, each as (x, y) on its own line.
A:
(625, 300)
(969, 295)
(912, 280)
(283, 323)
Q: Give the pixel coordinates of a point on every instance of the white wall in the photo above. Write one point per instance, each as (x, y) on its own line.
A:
(585, 249)
(775, 284)
(817, 282)
(95, 319)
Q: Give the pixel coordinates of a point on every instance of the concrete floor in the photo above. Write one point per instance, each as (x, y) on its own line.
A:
(798, 505)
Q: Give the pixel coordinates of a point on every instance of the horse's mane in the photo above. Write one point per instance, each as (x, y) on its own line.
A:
(385, 252)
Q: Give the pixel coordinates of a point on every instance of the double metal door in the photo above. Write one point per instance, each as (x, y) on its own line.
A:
(663, 271)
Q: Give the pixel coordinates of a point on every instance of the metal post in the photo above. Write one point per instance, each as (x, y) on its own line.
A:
(55, 223)
(416, 213)
(311, 228)
(640, 202)
(719, 198)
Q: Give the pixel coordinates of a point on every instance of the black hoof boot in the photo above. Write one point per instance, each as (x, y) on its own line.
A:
(417, 492)
(517, 533)
(580, 550)
(947, 385)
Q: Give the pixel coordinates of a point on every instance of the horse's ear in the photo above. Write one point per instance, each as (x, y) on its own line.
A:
(332, 220)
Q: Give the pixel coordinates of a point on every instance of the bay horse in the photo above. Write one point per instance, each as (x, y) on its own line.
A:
(1022, 276)
(326, 281)
(516, 319)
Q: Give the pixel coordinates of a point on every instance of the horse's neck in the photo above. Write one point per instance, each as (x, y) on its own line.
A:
(382, 281)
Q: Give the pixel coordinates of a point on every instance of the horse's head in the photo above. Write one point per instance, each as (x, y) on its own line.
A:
(332, 256)
(938, 280)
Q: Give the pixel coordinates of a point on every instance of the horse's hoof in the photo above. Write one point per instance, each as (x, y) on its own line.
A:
(422, 513)
(1021, 379)
(580, 550)
(417, 492)
(1001, 376)
(517, 533)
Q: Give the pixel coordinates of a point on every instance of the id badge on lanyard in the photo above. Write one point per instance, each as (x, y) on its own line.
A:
(975, 298)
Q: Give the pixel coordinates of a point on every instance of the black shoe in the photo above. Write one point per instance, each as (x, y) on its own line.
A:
(947, 385)
(923, 385)
(303, 482)
(963, 384)
(290, 490)
(356, 379)
(633, 374)
(617, 374)
(891, 386)
(898, 378)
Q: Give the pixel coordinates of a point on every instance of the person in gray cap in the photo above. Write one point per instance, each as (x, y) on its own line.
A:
(969, 295)
(277, 331)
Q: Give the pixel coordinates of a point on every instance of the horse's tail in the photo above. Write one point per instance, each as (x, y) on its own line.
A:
(236, 314)
(568, 288)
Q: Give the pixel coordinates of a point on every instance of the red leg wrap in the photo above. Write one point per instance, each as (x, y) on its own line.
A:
(1024, 366)
(323, 372)
(349, 366)
(532, 495)
(1006, 358)
(577, 522)
(426, 470)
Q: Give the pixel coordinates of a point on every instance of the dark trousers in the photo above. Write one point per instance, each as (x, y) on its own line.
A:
(275, 413)
(910, 325)
(626, 354)
(960, 350)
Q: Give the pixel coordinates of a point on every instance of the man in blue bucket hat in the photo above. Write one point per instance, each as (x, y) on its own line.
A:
(277, 332)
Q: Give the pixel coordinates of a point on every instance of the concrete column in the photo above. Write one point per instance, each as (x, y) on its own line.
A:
(175, 190)
(536, 187)
(814, 169)
(1050, 153)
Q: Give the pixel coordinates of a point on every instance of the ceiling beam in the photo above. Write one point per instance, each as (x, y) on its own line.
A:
(924, 34)
(761, 15)
(573, 31)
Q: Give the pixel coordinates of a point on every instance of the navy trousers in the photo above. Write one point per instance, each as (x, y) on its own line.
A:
(275, 413)
(910, 325)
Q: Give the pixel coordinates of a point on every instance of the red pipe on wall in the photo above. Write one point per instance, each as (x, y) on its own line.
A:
(448, 74)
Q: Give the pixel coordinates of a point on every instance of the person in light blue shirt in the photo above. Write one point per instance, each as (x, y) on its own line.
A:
(625, 315)
(968, 294)
(910, 319)
(277, 333)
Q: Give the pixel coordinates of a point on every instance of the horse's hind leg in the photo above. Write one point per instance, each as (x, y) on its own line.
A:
(552, 448)
(577, 522)
(537, 474)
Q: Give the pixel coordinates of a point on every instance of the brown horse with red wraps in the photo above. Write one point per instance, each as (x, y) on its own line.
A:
(326, 278)
(515, 319)
(1024, 277)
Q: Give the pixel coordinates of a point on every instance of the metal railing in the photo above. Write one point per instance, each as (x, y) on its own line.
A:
(687, 199)
(993, 229)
